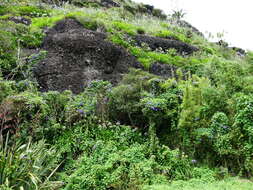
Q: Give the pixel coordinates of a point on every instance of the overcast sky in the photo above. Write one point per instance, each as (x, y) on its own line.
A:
(233, 17)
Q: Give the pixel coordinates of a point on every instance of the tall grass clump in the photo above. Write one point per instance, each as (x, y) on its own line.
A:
(27, 166)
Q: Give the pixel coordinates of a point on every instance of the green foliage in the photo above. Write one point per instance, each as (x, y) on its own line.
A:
(201, 117)
(83, 3)
(31, 11)
(24, 10)
(220, 124)
(125, 99)
(197, 184)
(21, 108)
(27, 166)
(3, 10)
(119, 39)
(88, 23)
(191, 108)
(12, 38)
(242, 133)
(39, 23)
(147, 57)
(7, 88)
(125, 27)
(120, 169)
(7, 52)
(172, 34)
(249, 57)
(111, 156)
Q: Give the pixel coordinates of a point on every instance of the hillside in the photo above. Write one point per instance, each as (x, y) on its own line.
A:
(112, 94)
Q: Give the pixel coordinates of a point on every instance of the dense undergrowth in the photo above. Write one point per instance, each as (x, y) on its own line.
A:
(146, 133)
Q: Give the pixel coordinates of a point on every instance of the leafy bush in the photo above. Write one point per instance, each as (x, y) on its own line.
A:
(111, 156)
(17, 110)
(124, 104)
(7, 52)
(7, 88)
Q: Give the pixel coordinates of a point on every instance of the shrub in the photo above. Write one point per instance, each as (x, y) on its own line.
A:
(7, 88)
(242, 133)
(114, 156)
(23, 113)
(124, 104)
(7, 52)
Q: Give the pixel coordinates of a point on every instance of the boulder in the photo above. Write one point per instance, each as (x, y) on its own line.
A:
(20, 20)
(109, 3)
(239, 51)
(165, 44)
(163, 70)
(77, 56)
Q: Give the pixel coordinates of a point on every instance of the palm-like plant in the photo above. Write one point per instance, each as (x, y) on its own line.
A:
(178, 14)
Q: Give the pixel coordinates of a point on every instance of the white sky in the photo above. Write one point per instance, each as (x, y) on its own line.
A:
(233, 17)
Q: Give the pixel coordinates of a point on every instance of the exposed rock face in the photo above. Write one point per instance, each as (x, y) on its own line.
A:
(151, 10)
(109, 3)
(77, 56)
(20, 20)
(163, 70)
(239, 51)
(59, 2)
(157, 42)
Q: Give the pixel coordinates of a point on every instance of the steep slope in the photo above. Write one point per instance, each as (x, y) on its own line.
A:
(111, 94)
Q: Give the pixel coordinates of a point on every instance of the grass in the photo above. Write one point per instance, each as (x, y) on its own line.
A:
(195, 184)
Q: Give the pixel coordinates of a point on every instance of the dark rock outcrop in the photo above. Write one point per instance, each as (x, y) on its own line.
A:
(77, 56)
(20, 20)
(239, 51)
(58, 2)
(146, 9)
(165, 44)
(151, 10)
(163, 70)
(109, 3)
